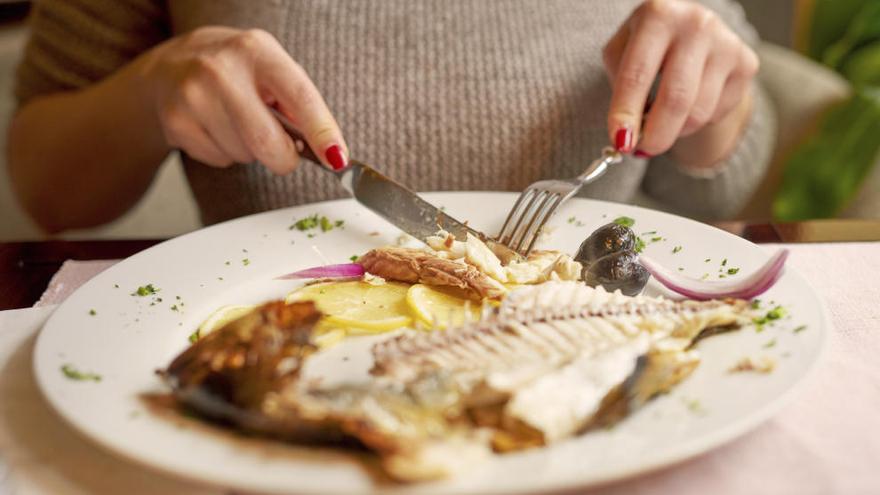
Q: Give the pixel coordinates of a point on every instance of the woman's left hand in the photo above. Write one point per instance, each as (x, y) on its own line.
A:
(705, 72)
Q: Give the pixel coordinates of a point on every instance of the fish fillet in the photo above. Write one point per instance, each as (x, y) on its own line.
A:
(552, 361)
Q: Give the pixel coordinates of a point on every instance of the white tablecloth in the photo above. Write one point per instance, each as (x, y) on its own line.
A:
(827, 441)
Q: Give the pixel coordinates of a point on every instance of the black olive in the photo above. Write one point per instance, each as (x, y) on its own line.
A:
(607, 239)
(620, 270)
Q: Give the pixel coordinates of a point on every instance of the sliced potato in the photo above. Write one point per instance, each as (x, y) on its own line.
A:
(222, 316)
(431, 305)
(357, 305)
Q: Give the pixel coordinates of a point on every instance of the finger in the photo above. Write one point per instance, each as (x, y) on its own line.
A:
(638, 67)
(738, 84)
(205, 103)
(676, 95)
(613, 52)
(195, 142)
(712, 84)
(259, 131)
(301, 102)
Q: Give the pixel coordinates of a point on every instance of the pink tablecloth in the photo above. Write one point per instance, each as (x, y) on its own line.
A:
(826, 442)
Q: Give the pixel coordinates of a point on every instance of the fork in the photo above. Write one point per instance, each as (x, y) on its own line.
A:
(539, 201)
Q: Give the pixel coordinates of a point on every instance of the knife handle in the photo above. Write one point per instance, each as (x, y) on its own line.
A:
(302, 146)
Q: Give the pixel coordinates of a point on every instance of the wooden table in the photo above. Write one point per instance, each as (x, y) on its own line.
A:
(27, 267)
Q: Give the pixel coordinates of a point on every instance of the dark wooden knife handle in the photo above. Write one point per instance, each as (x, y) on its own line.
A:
(302, 146)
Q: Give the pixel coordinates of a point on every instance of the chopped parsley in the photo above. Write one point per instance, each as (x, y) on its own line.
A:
(145, 290)
(354, 257)
(314, 222)
(92, 312)
(656, 238)
(175, 308)
(732, 271)
(770, 344)
(194, 337)
(681, 268)
(707, 260)
(756, 304)
(74, 374)
(625, 221)
(724, 262)
(246, 262)
(676, 249)
(774, 314)
(800, 329)
(115, 286)
(575, 222)
(640, 245)
(306, 223)
(228, 263)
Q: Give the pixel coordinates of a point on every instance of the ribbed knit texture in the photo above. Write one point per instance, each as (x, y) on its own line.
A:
(441, 95)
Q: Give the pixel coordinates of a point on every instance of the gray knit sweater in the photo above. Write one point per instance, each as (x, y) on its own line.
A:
(440, 94)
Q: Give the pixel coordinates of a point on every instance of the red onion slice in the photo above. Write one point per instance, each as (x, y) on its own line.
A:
(748, 287)
(344, 270)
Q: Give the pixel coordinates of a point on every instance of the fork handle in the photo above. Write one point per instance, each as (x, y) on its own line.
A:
(598, 167)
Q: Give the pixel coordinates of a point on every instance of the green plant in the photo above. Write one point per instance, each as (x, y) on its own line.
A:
(825, 172)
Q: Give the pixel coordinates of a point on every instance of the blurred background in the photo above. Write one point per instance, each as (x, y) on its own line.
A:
(820, 64)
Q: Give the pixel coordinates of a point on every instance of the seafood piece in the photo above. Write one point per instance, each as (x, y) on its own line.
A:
(420, 266)
(552, 361)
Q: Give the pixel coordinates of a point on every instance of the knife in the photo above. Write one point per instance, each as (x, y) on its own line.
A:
(392, 200)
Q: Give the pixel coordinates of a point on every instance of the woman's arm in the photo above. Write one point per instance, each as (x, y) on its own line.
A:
(81, 158)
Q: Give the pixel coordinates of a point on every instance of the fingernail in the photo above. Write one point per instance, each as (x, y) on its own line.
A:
(335, 157)
(623, 139)
(641, 154)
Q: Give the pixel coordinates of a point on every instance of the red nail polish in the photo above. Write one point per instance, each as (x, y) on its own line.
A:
(641, 154)
(335, 157)
(623, 140)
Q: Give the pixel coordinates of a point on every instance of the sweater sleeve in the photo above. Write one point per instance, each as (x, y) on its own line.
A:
(76, 43)
(723, 190)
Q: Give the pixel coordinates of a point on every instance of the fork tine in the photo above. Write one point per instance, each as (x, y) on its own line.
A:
(524, 214)
(527, 233)
(533, 230)
(505, 234)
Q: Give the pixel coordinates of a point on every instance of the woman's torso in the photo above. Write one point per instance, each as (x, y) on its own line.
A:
(453, 94)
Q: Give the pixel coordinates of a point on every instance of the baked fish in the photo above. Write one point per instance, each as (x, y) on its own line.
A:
(551, 361)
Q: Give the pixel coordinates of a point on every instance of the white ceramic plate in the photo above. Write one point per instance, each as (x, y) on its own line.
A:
(129, 337)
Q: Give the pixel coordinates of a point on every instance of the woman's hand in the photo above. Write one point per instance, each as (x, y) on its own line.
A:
(210, 89)
(705, 73)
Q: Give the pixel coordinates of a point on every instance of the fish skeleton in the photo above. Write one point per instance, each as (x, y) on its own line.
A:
(551, 361)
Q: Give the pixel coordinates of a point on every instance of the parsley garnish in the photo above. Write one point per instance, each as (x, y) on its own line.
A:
(772, 315)
(306, 223)
(724, 262)
(732, 271)
(245, 262)
(640, 245)
(625, 221)
(756, 304)
(800, 329)
(193, 337)
(676, 249)
(92, 312)
(145, 290)
(72, 373)
(174, 308)
(770, 344)
(354, 257)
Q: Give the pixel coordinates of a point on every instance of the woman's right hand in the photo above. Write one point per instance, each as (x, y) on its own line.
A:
(210, 89)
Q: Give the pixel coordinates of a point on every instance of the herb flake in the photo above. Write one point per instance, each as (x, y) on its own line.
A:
(676, 249)
(74, 374)
(145, 290)
(625, 221)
